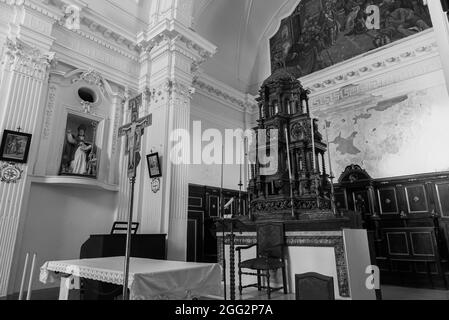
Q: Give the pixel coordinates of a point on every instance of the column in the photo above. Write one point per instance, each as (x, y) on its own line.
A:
(23, 88)
(441, 29)
(171, 54)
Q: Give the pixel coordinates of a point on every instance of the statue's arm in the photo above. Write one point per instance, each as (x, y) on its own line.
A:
(70, 139)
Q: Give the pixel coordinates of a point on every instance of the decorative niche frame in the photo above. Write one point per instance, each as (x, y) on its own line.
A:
(81, 133)
(76, 98)
(82, 145)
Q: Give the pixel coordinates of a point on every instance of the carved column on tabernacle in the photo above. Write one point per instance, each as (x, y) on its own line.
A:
(23, 87)
(171, 55)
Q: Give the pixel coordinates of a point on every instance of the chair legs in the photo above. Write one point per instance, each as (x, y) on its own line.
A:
(268, 285)
(267, 275)
(240, 283)
(284, 280)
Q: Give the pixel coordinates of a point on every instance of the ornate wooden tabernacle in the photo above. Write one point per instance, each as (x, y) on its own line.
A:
(284, 107)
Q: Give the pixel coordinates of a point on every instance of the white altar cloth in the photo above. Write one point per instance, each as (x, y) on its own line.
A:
(148, 279)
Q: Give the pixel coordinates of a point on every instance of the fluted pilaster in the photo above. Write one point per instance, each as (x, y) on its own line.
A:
(22, 91)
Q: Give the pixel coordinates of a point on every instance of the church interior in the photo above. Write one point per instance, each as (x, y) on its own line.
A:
(224, 150)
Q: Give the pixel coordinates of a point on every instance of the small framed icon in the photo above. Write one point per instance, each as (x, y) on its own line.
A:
(154, 165)
(15, 146)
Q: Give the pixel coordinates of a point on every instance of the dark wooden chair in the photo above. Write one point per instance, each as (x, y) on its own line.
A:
(314, 286)
(270, 257)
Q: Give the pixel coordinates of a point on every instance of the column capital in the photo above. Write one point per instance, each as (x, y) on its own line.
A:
(27, 59)
(174, 35)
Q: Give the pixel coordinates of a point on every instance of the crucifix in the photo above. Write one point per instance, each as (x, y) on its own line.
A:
(133, 132)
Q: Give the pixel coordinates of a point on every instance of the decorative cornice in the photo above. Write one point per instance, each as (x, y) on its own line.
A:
(405, 52)
(56, 16)
(227, 95)
(109, 45)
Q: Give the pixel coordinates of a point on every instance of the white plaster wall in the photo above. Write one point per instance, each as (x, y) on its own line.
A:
(215, 115)
(386, 111)
(58, 221)
(320, 260)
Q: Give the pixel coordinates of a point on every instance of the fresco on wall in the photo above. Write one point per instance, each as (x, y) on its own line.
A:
(321, 33)
(390, 135)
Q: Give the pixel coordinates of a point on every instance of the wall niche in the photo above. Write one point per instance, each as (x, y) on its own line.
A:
(78, 145)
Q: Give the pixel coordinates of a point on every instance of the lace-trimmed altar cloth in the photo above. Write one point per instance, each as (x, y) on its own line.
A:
(148, 279)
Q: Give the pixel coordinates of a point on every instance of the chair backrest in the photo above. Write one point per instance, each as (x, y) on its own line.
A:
(314, 286)
(271, 239)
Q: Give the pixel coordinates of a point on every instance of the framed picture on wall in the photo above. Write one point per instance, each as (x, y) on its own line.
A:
(154, 165)
(15, 146)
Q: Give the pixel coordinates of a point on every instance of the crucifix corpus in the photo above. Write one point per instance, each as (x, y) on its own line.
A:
(133, 132)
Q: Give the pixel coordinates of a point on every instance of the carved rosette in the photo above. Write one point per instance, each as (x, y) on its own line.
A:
(28, 60)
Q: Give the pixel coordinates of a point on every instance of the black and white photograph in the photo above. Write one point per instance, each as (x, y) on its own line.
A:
(255, 155)
(15, 146)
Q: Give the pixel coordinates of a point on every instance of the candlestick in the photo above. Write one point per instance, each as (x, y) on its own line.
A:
(290, 173)
(30, 283)
(22, 284)
(242, 161)
(313, 146)
(334, 209)
(248, 161)
(329, 153)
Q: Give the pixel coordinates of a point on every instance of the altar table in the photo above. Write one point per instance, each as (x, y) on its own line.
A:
(148, 279)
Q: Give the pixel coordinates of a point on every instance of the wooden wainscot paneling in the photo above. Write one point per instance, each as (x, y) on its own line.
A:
(388, 201)
(443, 198)
(408, 218)
(417, 199)
(204, 207)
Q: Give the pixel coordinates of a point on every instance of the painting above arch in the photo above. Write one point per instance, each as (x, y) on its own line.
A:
(322, 33)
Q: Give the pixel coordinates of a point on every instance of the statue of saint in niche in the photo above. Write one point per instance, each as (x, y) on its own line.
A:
(79, 158)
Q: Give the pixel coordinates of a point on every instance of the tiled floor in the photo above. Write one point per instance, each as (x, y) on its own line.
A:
(388, 293)
(399, 293)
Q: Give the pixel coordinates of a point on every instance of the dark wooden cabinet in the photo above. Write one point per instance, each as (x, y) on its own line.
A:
(408, 218)
(204, 206)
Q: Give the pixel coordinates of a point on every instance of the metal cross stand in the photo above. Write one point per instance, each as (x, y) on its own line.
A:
(133, 132)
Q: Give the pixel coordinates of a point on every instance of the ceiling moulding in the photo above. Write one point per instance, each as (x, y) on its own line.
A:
(39, 6)
(213, 88)
(101, 29)
(398, 55)
(120, 70)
